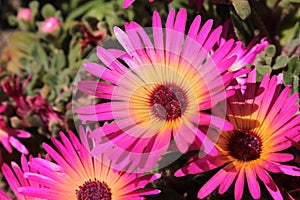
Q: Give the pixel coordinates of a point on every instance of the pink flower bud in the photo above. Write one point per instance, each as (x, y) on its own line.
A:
(24, 14)
(50, 25)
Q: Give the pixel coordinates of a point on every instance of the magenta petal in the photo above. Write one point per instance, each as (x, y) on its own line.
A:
(18, 145)
(212, 184)
(22, 134)
(6, 144)
(4, 196)
(252, 183)
(290, 170)
(147, 191)
(127, 3)
(201, 165)
(10, 177)
(38, 192)
(269, 183)
(229, 177)
(239, 185)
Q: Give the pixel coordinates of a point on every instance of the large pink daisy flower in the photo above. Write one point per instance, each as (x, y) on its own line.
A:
(77, 175)
(15, 178)
(263, 118)
(158, 91)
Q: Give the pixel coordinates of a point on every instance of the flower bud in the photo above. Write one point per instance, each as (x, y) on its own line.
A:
(51, 26)
(24, 14)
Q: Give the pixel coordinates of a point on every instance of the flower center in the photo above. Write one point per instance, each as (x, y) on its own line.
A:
(168, 102)
(245, 146)
(94, 190)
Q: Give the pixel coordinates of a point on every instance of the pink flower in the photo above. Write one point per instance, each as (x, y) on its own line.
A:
(263, 117)
(245, 55)
(8, 136)
(50, 25)
(27, 106)
(74, 174)
(159, 91)
(199, 3)
(15, 178)
(24, 14)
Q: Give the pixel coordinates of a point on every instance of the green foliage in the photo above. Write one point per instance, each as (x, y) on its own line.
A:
(242, 8)
(47, 11)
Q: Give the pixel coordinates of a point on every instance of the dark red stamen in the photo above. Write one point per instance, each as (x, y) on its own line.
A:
(245, 146)
(168, 102)
(94, 190)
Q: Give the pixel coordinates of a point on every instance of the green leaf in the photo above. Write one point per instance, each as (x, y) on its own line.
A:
(23, 41)
(12, 20)
(242, 28)
(48, 11)
(270, 50)
(242, 8)
(287, 77)
(34, 5)
(294, 65)
(280, 62)
(295, 1)
(82, 10)
(50, 79)
(58, 61)
(264, 69)
(40, 55)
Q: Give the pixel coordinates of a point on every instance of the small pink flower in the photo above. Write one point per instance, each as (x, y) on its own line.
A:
(50, 25)
(24, 14)
(8, 136)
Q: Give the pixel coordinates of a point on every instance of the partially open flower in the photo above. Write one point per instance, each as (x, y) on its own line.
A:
(51, 26)
(24, 14)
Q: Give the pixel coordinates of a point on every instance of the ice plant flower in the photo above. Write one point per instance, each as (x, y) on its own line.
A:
(160, 91)
(24, 14)
(27, 106)
(199, 3)
(8, 136)
(15, 179)
(77, 175)
(263, 118)
(50, 26)
(246, 55)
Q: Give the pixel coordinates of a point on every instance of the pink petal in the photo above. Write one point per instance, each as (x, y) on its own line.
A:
(6, 144)
(203, 164)
(18, 145)
(101, 72)
(212, 184)
(127, 3)
(229, 177)
(269, 183)
(252, 183)
(280, 157)
(38, 192)
(239, 185)
(4, 196)
(290, 170)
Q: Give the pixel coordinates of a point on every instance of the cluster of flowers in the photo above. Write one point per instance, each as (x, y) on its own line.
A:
(180, 93)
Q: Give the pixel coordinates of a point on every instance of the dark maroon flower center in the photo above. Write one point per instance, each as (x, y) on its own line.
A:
(168, 102)
(245, 146)
(94, 190)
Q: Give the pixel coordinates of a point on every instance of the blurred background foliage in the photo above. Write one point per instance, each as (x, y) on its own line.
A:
(50, 60)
